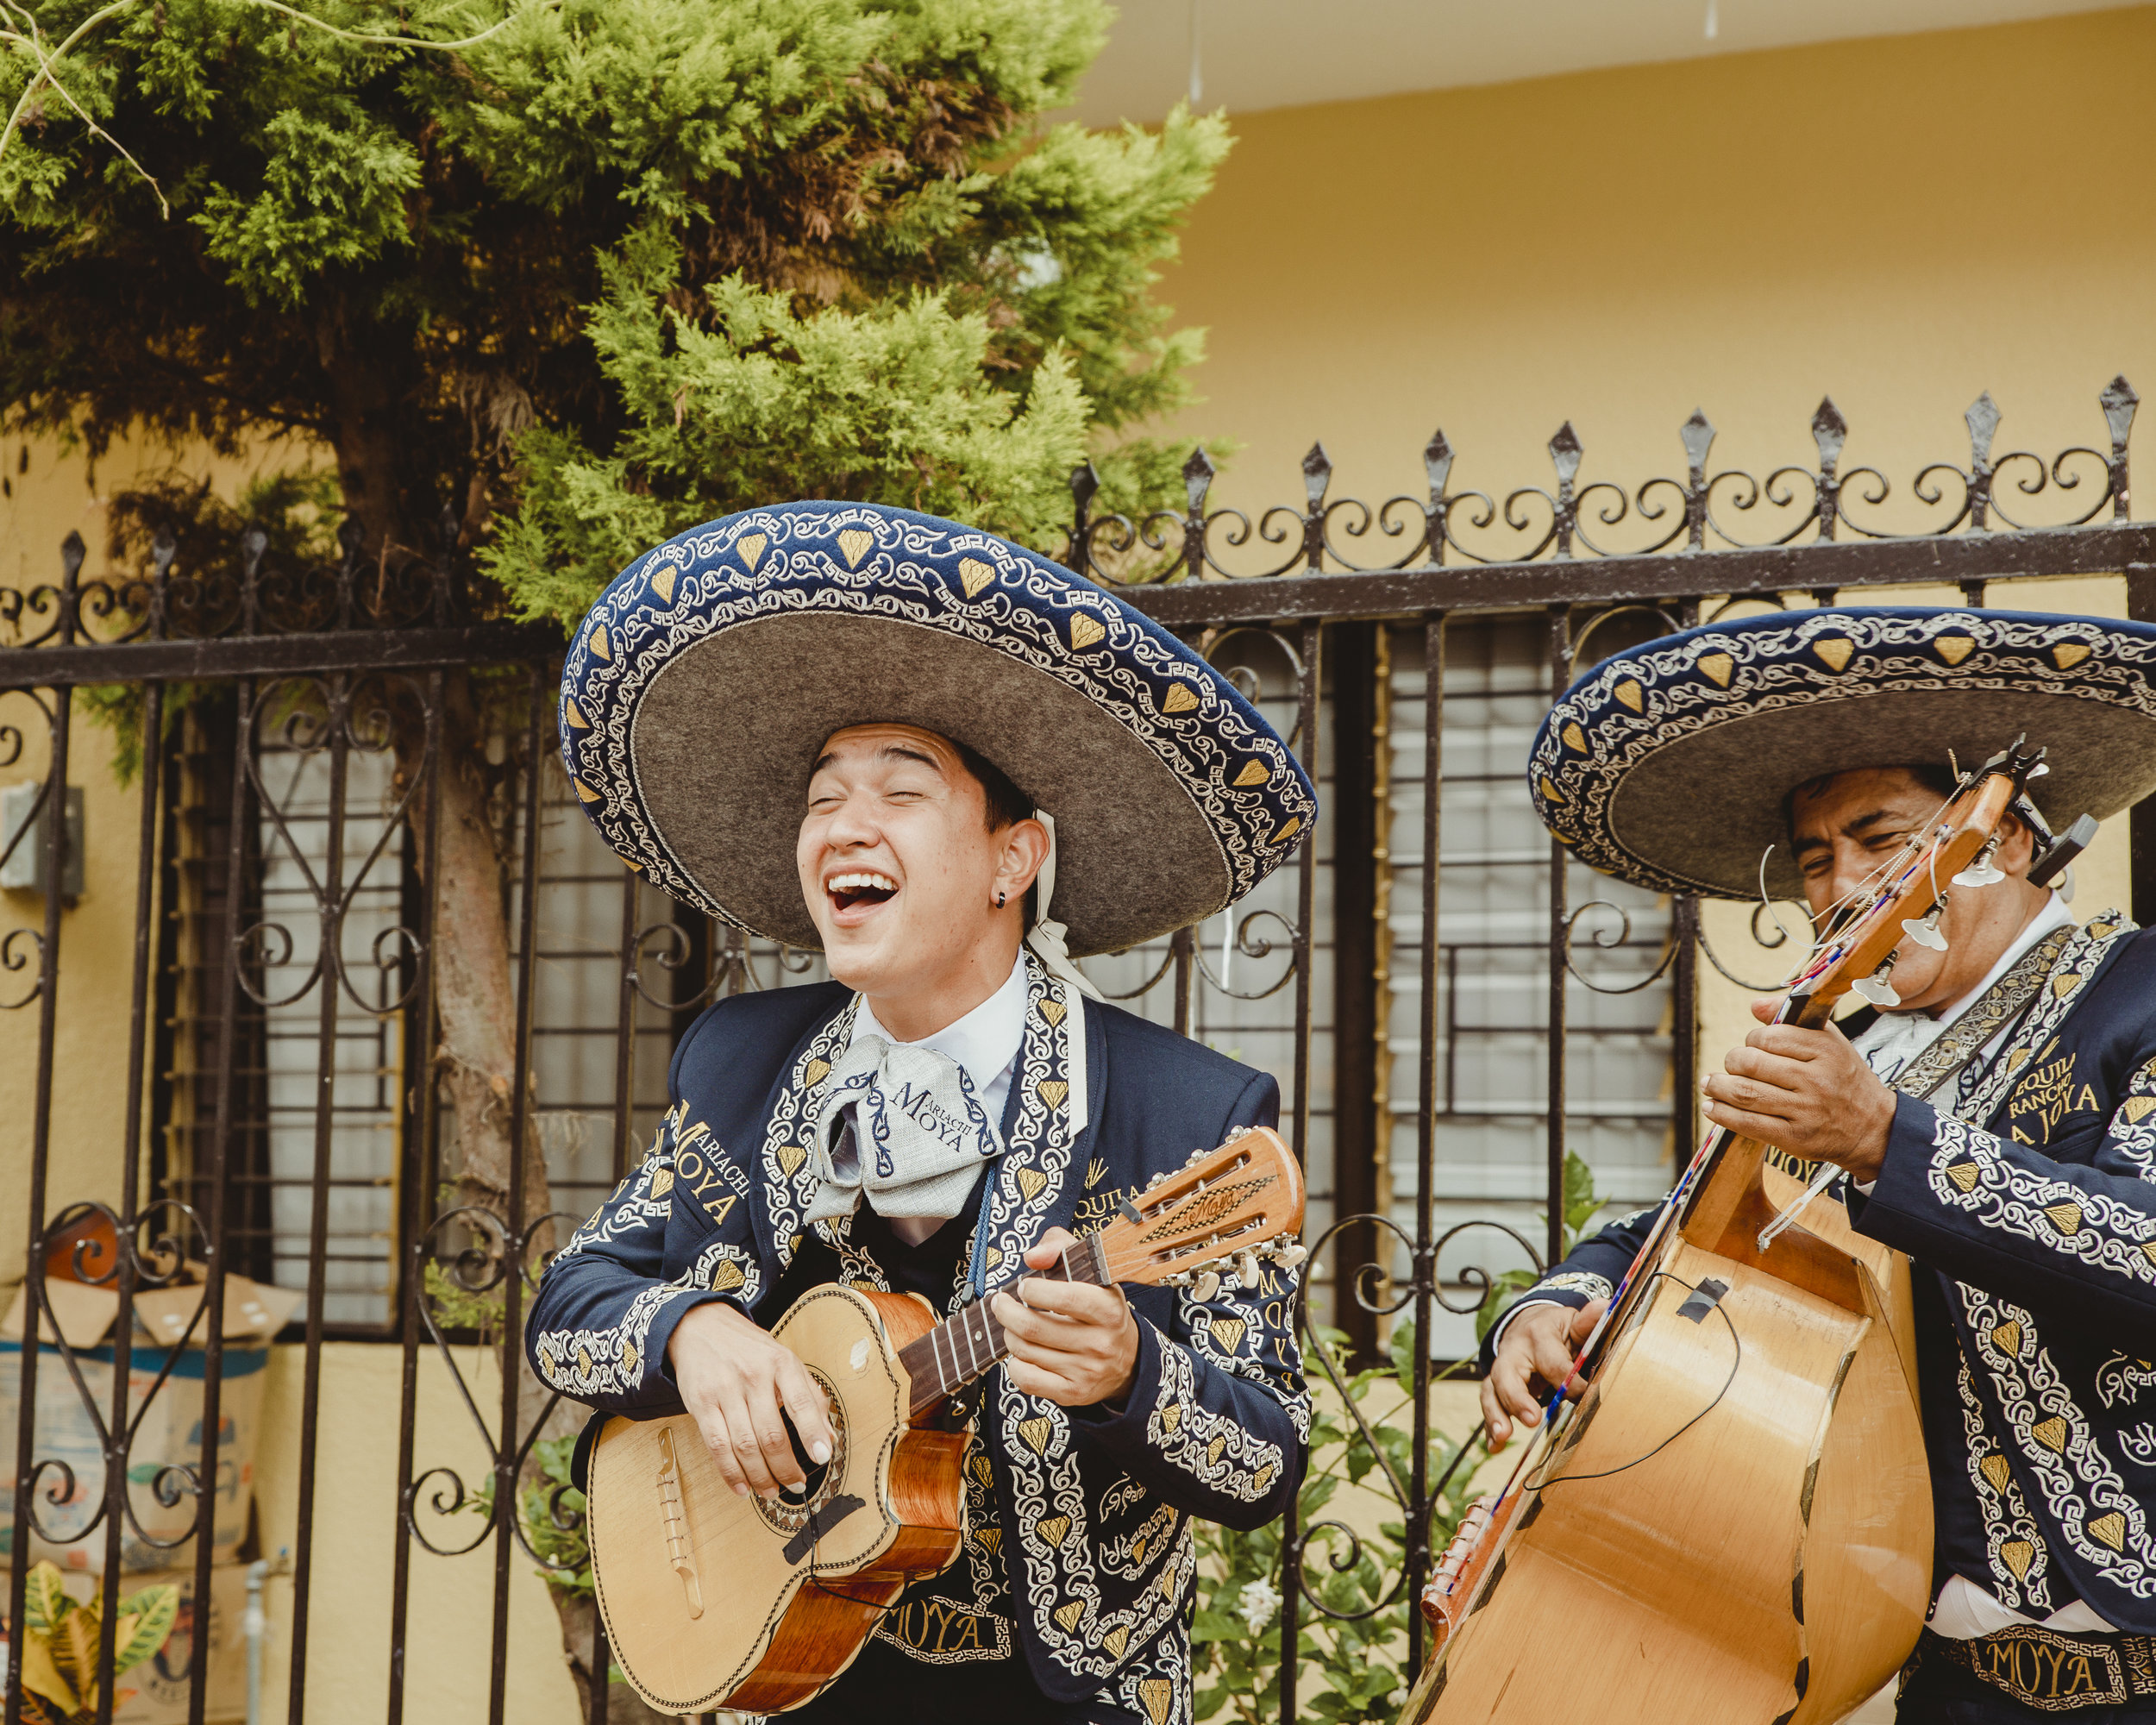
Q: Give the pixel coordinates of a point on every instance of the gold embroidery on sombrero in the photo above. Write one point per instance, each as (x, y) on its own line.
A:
(1778, 668)
(2020, 1570)
(717, 590)
(2090, 1503)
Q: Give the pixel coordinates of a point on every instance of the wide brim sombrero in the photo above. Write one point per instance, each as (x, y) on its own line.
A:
(1668, 765)
(696, 694)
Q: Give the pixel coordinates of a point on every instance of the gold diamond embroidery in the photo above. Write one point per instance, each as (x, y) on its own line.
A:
(727, 1276)
(1963, 1175)
(1228, 1332)
(662, 583)
(632, 864)
(2148, 1250)
(1053, 1090)
(816, 1072)
(1253, 773)
(1085, 632)
(750, 545)
(584, 1360)
(988, 1538)
(790, 1156)
(597, 642)
(1054, 1529)
(1180, 698)
(2066, 1218)
(2052, 1433)
(1574, 739)
(1030, 1180)
(985, 1473)
(1116, 1640)
(1995, 1469)
(994, 1256)
(2063, 986)
(1171, 1416)
(1551, 792)
(2008, 1338)
(2111, 1529)
(585, 791)
(2137, 1108)
(1293, 826)
(1068, 1615)
(629, 1363)
(972, 575)
(662, 1181)
(1717, 667)
(1263, 1478)
(1631, 694)
(1034, 1431)
(2018, 1555)
(1834, 651)
(2066, 654)
(1216, 1449)
(1157, 1696)
(854, 542)
(1053, 1010)
(574, 714)
(1953, 649)
(1137, 1549)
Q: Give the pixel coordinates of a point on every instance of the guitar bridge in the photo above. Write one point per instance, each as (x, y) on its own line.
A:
(678, 1559)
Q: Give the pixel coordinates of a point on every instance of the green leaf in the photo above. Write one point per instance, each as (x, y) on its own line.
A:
(145, 1624)
(44, 1601)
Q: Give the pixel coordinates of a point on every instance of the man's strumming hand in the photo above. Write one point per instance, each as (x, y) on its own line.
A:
(1804, 1091)
(1071, 1343)
(735, 1380)
(1534, 1356)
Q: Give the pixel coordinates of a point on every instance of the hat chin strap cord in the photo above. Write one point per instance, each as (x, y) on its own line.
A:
(1047, 937)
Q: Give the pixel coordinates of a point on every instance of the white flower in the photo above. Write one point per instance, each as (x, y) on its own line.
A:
(1259, 1603)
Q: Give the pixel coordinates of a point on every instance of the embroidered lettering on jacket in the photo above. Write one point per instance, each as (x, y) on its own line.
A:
(2046, 1095)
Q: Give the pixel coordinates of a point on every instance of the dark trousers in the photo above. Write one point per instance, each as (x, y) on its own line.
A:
(890, 1687)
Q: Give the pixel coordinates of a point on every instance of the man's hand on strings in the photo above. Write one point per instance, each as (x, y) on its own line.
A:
(1804, 1091)
(1535, 1356)
(1071, 1343)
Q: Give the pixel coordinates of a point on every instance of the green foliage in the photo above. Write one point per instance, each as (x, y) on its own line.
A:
(564, 1553)
(1357, 1661)
(60, 1649)
(606, 267)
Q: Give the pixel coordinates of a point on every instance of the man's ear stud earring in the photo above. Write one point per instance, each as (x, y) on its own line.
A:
(1000, 898)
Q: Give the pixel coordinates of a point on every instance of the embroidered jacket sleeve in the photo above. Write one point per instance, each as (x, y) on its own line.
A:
(605, 1309)
(1217, 1417)
(2047, 1235)
(1591, 1273)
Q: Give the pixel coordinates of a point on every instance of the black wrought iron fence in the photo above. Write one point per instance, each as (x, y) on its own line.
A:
(284, 1036)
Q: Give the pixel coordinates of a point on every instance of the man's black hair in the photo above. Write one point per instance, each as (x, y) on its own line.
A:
(1006, 804)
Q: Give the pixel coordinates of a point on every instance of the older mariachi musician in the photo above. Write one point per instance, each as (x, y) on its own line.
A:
(1994, 1114)
(937, 757)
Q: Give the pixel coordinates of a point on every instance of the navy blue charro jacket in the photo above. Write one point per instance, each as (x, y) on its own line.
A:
(2029, 1209)
(1079, 1551)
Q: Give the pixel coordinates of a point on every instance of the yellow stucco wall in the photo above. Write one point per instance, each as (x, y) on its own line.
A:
(1901, 223)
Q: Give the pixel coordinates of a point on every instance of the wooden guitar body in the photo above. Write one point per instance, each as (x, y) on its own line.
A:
(676, 1555)
(1768, 1563)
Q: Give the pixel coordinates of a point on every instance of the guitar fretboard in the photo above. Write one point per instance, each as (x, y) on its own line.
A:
(971, 1340)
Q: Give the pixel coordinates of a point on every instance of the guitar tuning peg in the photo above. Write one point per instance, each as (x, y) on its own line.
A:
(1291, 1255)
(1208, 1287)
(1926, 933)
(1247, 1269)
(1234, 1132)
(1878, 988)
(1980, 873)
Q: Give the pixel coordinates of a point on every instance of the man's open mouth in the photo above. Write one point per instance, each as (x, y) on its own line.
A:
(862, 887)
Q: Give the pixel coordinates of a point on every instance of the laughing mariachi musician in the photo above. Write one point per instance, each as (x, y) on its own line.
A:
(1993, 1113)
(949, 765)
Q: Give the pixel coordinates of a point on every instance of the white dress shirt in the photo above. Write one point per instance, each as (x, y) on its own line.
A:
(984, 1045)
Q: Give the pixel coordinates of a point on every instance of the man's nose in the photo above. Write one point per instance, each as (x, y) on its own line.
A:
(851, 826)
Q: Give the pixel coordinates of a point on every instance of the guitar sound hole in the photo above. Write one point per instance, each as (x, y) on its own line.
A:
(796, 1497)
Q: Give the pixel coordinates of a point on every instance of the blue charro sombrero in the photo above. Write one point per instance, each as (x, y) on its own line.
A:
(697, 692)
(1668, 765)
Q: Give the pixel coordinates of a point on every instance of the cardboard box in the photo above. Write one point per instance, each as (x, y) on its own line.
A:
(166, 1416)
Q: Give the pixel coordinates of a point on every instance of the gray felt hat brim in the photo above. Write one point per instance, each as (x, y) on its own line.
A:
(1670, 765)
(730, 796)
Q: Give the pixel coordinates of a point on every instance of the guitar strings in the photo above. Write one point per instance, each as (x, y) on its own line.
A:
(1736, 1361)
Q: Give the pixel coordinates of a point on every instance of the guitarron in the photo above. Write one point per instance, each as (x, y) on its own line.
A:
(1732, 1524)
(713, 1600)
